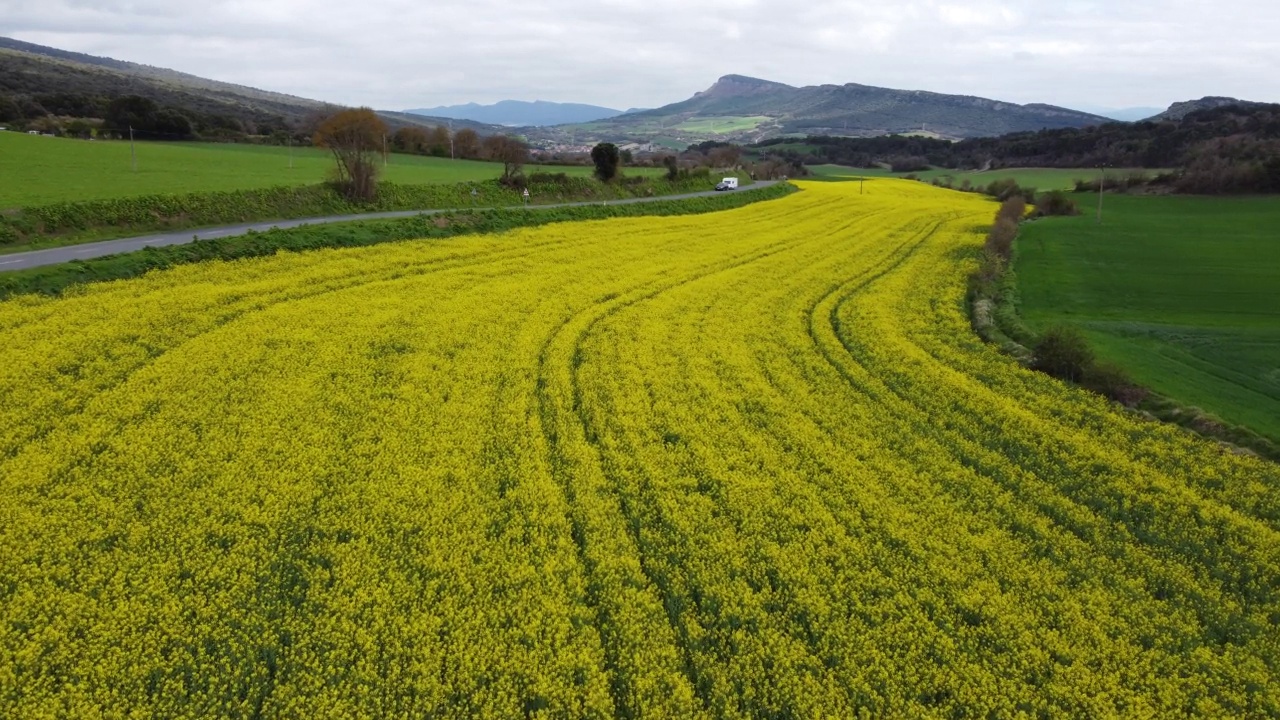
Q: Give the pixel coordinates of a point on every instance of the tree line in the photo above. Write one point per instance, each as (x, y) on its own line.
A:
(84, 116)
(1221, 150)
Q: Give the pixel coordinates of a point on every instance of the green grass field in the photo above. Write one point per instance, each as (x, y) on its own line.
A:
(1184, 292)
(1039, 178)
(722, 125)
(38, 170)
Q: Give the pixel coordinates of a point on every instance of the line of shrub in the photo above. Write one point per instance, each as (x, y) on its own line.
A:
(1063, 351)
(98, 219)
(992, 288)
(1053, 202)
(54, 279)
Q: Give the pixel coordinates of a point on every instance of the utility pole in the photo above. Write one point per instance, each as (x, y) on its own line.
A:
(133, 155)
(1102, 181)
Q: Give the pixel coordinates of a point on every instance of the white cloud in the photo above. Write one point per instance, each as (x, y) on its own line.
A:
(408, 53)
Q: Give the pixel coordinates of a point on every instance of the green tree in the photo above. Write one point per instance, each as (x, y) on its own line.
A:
(607, 159)
(130, 111)
(1064, 353)
(672, 164)
(437, 143)
(410, 140)
(172, 125)
(9, 110)
(80, 129)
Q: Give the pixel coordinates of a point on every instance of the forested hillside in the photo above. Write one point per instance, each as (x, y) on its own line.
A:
(1233, 148)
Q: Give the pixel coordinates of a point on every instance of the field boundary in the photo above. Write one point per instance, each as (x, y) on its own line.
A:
(54, 279)
(77, 222)
(995, 317)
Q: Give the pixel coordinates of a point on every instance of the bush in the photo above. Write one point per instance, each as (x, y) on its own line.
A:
(1118, 183)
(672, 164)
(1003, 189)
(1012, 209)
(606, 158)
(546, 178)
(1000, 238)
(1064, 353)
(1005, 230)
(515, 181)
(1111, 381)
(1056, 203)
(908, 164)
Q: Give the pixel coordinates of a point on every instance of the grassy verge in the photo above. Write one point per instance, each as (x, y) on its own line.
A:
(71, 223)
(55, 279)
(1170, 308)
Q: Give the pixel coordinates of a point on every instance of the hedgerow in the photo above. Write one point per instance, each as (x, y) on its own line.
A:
(106, 218)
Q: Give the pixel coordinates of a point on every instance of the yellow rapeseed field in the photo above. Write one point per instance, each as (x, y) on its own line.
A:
(744, 464)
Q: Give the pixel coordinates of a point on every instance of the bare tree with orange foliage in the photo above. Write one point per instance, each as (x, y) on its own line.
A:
(355, 137)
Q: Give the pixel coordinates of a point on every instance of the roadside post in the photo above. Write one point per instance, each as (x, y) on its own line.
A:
(1102, 182)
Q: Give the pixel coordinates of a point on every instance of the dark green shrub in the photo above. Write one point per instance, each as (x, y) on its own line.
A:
(672, 164)
(1003, 189)
(1012, 209)
(546, 178)
(1111, 380)
(1056, 203)
(1000, 238)
(908, 164)
(607, 159)
(1064, 353)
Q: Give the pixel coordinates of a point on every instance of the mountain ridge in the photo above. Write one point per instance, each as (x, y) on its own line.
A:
(772, 108)
(1180, 110)
(28, 70)
(522, 113)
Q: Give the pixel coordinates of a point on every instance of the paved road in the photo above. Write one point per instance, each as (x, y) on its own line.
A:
(53, 256)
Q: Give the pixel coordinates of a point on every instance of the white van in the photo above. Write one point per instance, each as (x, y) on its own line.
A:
(729, 183)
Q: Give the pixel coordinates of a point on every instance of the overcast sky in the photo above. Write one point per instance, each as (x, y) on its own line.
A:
(397, 54)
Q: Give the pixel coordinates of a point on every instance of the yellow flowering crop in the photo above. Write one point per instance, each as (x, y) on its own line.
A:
(744, 464)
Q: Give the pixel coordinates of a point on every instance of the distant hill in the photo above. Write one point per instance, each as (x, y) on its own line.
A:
(1130, 114)
(1179, 110)
(1238, 144)
(70, 83)
(518, 113)
(755, 109)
